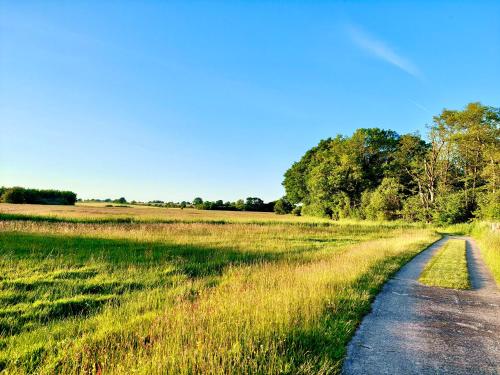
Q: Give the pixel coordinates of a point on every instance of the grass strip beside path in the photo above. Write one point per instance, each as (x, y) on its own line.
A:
(448, 267)
(489, 243)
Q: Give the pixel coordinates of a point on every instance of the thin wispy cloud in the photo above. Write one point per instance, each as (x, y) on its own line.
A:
(420, 106)
(382, 50)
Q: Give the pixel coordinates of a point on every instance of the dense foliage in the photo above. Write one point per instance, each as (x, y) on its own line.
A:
(250, 204)
(451, 176)
(22, 195)
(283, 206)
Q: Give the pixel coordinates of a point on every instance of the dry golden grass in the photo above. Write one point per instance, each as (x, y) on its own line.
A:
(99, 210)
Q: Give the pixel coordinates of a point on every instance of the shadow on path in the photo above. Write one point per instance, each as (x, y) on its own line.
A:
(479, 275)
(417, 329)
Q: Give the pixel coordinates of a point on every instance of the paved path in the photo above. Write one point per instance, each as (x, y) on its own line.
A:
(416, 329)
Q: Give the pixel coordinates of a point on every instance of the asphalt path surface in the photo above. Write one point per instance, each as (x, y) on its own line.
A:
(417, 329)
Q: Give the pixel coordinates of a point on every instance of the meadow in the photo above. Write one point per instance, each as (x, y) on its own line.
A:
(103, 212)
(93, 289)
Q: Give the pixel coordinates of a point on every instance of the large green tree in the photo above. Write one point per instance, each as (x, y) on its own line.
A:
(330, 178)
(451, 175)
(468, 160)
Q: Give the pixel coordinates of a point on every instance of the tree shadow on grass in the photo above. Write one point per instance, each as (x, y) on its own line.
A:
(60, 284)
(191, 260)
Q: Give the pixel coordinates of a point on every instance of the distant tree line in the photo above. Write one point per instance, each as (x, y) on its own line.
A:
(121, 200)
(35, 196)
(450, 176)
(250, 204)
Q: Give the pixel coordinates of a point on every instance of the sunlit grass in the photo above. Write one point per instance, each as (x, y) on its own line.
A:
(489, 243)
(448, 267)
(190, 297)
(488, 240)
(98, 213)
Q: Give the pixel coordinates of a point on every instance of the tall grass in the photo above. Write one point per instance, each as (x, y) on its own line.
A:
(190, 297)
(489, 242)
(99, 213)
(94, 212)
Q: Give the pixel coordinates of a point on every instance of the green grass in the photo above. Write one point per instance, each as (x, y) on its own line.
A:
(448, 267)
(487, 239)
(489, 243)
(190, 296)
(100, 214)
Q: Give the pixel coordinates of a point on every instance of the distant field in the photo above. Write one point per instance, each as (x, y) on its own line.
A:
(144, 213)
(188, 296)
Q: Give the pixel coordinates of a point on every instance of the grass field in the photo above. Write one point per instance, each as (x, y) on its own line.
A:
(126, 213)
(234, 292)
(448, 267)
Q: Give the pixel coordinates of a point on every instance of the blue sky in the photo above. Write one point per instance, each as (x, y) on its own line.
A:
(172, 100)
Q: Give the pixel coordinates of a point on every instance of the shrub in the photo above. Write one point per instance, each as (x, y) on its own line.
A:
(489, 206)
(385, 202)
(337, 206)
(283, 206)
(297, 210)
(413, 210)
(450, 209)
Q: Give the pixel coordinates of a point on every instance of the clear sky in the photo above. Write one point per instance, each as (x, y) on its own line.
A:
(172, 100)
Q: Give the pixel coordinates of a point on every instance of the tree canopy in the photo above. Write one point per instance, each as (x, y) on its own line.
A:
(18, 194)
(451, 175)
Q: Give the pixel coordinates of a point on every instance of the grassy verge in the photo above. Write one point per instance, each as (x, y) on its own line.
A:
(448, 268)
(489, 243)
